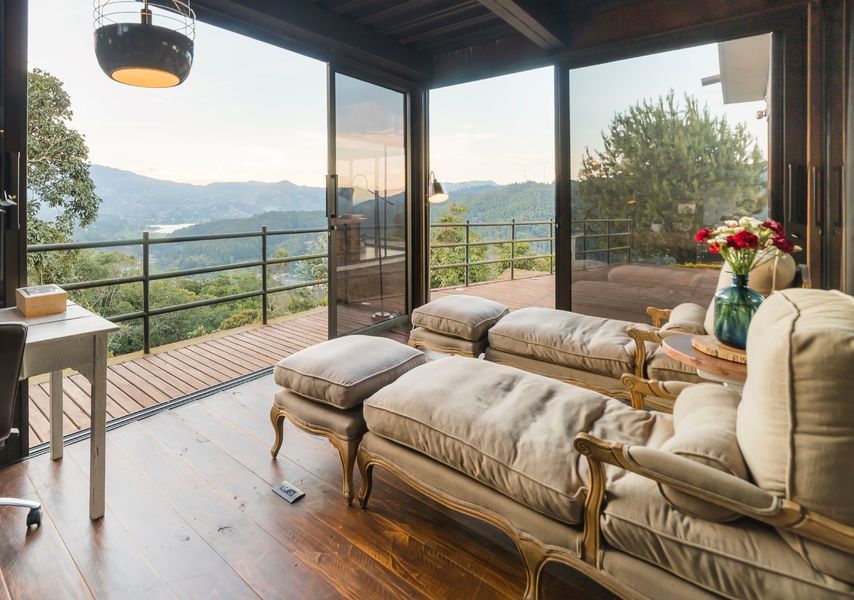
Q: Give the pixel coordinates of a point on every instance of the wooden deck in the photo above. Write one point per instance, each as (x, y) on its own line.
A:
(191, 514)
(138, 382)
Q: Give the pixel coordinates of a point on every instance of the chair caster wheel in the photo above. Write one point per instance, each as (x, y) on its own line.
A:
(34, 517)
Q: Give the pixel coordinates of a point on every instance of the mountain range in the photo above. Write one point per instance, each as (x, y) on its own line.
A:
(132, 203)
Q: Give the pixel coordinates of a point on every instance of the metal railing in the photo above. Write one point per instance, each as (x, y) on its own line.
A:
(587, 228)
(147, 276)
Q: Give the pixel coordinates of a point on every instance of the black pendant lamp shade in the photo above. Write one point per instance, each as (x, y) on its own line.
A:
(145, 44)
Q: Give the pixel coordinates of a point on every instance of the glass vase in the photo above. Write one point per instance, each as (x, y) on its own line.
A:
(734, 308)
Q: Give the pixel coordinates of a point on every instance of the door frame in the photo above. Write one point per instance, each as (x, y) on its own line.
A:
(415, 141)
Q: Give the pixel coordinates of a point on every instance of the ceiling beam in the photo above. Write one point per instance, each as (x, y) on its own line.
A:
(535, 19)
(305, 27)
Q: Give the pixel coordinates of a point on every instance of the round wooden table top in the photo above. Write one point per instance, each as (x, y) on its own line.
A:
(680, 348)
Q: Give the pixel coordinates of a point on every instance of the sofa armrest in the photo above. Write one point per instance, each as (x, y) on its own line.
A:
(658, 315)
(704, 482)
(641, 336)
(651, 393)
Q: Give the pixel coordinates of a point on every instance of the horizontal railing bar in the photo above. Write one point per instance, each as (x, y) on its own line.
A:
(206, 302)
(296, 231)
(86, 285)
(601, 250)
(290, 259)
(601, 235)
(296, 286)
(203, 270)
(204, 237)
(126, 317)
(82, 245)
(490, 242)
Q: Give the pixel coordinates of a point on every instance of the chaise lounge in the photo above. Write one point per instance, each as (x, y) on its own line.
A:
(729, 496)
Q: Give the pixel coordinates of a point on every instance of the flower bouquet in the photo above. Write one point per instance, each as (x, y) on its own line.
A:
(744, 245)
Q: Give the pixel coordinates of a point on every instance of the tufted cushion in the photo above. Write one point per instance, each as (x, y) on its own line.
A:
(465, 317)
(795, 421)
(662, 367)
(745, 559)
(704, 423)
(593, 344)
(776, 274)
(508, 429)
(439, 342)
(344, 371)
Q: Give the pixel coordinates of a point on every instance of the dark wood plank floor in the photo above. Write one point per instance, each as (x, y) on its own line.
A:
(191, 514)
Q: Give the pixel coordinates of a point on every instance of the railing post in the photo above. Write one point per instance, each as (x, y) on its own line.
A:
(146, 318)
(629, 251)
(551, 248)
(467, 274)
(264, 274)
(608, 241)
(513, 249)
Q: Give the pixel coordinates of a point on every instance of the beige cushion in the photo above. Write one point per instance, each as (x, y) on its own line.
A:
(796, 417)
(601, 346)
(687, 318)
(344, 371)
(430, 340)
(775, 274)
(745, 559)
(559, 372)
(508, 429)
(662, 367)
(466, 317)
(704, 422)
(346, 424)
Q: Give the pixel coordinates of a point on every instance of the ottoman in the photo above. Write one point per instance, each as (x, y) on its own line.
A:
(455, 324)
(324, 387)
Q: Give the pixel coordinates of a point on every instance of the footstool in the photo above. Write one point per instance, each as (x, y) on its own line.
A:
(324, 387)
(455, 324)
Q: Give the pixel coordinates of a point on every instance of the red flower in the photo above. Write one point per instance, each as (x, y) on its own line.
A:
(702, 235)
(714, 250)
(742, 239)
(784, 244)
(773, 226)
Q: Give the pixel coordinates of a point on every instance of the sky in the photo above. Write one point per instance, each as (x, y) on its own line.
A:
(251, 111)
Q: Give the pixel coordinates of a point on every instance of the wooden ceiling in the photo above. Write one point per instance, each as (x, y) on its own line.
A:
(441, 42)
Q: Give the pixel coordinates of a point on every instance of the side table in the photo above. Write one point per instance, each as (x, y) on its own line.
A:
(728, 372)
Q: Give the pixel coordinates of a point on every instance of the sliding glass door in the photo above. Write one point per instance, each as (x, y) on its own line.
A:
(366, 204)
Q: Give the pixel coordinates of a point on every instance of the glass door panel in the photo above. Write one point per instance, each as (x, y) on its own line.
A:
(367, 211)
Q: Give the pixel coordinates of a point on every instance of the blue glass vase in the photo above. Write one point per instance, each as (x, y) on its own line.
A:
(734, 308)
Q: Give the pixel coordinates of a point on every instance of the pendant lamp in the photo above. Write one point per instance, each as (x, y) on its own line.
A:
(436, 191)
(145, 43)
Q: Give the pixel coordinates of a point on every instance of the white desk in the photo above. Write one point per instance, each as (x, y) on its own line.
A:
(75, 339)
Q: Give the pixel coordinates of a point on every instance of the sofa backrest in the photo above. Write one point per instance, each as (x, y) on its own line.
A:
(795, 423)
(777, 273)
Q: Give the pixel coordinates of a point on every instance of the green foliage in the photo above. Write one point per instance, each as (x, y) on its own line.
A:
(57, 174)
(659, 154)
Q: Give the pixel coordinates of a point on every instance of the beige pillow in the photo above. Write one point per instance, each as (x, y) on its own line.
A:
(775, 274)
(704, 418)
(686, 318)
(344, 371)
(465, 317)
(796, 417)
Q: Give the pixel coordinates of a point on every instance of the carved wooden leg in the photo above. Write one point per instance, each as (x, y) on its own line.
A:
(278, 420)
(366, 469)
(347, 449)
(535, 560)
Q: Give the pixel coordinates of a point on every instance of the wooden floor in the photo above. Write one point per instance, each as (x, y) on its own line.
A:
(512, 293)
(191, 514)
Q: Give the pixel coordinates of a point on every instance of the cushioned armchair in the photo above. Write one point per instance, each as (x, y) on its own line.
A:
(754, 500)
(654, 370)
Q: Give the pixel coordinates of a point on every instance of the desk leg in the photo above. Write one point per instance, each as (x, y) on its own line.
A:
(56, 415)
(98, 438)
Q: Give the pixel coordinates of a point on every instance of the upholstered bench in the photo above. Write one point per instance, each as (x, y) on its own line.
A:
(578, 349)
(324, 387)
(455, 324)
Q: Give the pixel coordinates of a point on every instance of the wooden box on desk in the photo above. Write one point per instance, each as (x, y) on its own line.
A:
(41, 300)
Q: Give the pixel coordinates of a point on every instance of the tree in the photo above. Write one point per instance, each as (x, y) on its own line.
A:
(660, 154)
(57, 174)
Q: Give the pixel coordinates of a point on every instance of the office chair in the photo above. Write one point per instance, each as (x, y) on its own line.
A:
(12, 339)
